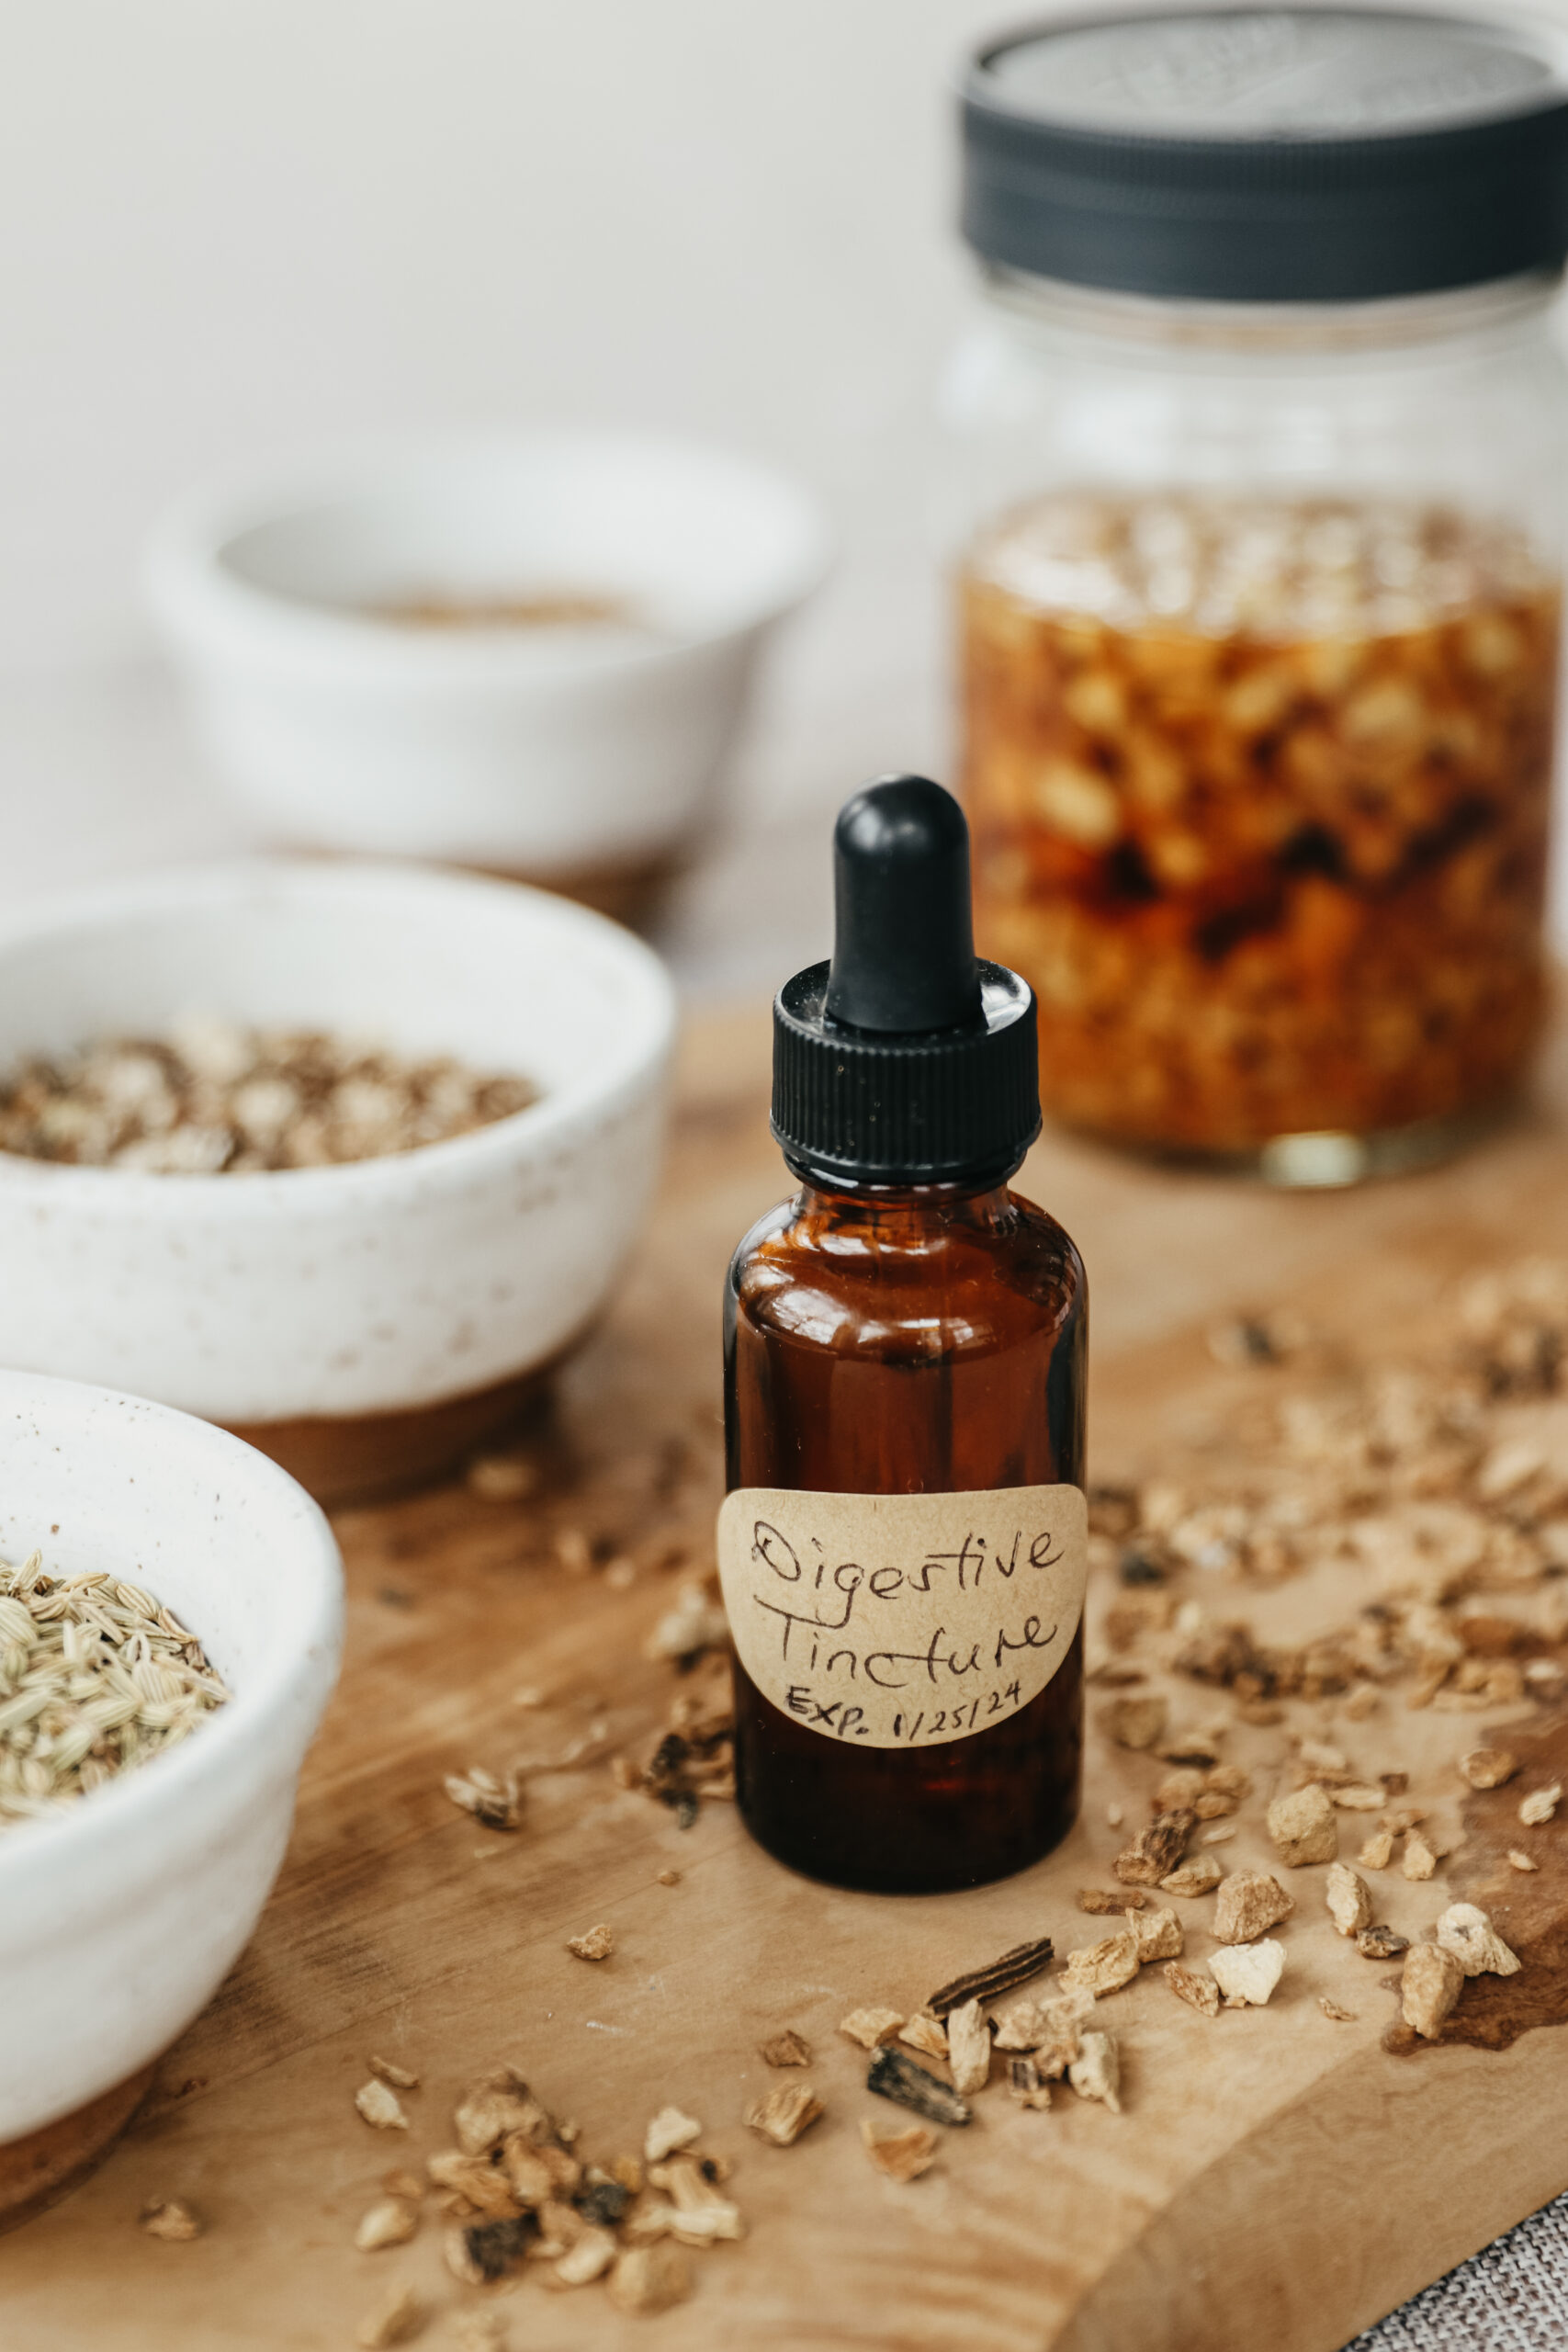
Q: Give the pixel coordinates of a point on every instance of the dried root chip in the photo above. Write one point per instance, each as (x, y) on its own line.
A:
(1048, 2027)
(598, 1943)
(380, 2107)
(650, 2279)
(670, 2130)
(1199, 1875)
(495, 2109)
(925, 2033)
(902, 2156)
(399, 2076)
(484, 2185)
(398, 2317)
(1247, 1973)
(1349, 1899)
(1332, 2010)
(1539, 1805)
(1096, 2072)
(171, 2219)
(1155, 1852)
(894, 2076)
(1466, 1931)
(589, 2259)
(1357, 1796)
(1102, 1901)
(1488, 1767)
(1378, 1851)
(1248, 1904)
(1004, 1975)
(1302, 1827)
(1520, 1861)
(869, 2026)
(786, 2049)
(785, 2113)
(391, 2223)
(1135, 1720)
(1419, 1862)
(1199, 1992)
(1380, 1943)
(1104, 1967)
(1157, 1935)
(969, 2049)
(495, 1805)
(1429, 1985)
(1026, 2084)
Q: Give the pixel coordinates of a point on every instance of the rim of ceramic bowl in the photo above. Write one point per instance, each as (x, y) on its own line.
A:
(642, 1046)
(207, 606)
(295, 1683)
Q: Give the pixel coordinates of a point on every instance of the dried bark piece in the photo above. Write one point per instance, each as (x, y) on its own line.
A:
(925, 2033)
(1380, 1943)
(1247, 1973)
(785, 2113)
(1026, 2084)
(894, 2076)
(1429, 1985)
(1521, 1862)
(399, 2076)
(1104, 1967)
(1349, 1899)
(380, 2107)
(1103, 1902)
(598, 1943)
(1302, 1827)
(1136, 1719)
(1199, 1992)
(670, 2130)
(786, 2049)
(650, 2279)
(870, 2026)
(988, 1983)
(589, 2259)
(969, 2049)
(391, 2223)
(1247, 1904)
(1332, 2010)
(171, 2219)
(1466, 1931)
(1378, 1851)
(1539, 1805)
(1419, 1860)
(1096, 2072)
(396, 2318)
(901, 2155)
(1199, 1875)
(1488, 1767)
(1155, 1852)
(1157, 1935)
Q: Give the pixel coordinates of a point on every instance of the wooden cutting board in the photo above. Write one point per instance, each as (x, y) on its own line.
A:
(1276, 2178)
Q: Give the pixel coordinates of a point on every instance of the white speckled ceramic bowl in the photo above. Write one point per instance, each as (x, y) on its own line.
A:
(585, 757)
(119, 1920)
(363, 1323)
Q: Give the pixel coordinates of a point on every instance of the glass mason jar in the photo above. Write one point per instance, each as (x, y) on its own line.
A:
(1265, 450)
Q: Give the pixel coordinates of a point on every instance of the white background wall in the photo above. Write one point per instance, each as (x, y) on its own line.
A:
(229, 227)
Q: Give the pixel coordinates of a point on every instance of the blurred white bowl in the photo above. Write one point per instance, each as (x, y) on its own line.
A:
(550, 751)
(388, 1309)
(118, 1921)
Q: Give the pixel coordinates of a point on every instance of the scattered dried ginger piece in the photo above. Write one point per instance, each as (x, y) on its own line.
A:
(1380, 1943)
(1096, 2071)
(1349, 1899)
(1429, 1985)
(1302, 1827)
(925, 2033)
(868, 2027)
(1135, 1720)
(589, 2259)
(650, 2279)
(1488, 1767)
(1104, 1967)
(786, 2049)
(670, 2130)
(398, 2076)
(1247, 1904)
(969, 2047)
(598, 1943)
(391, 2223)
(1047, 2027)
(1155, 1852)
(785, 2113)
(1521, 1862)
(1466, 1931)
(1199, 1875)
(380, 2107)
(1419, 1860)
(1157, 1935)
(395, 2319)
(1378, 1851)
(1541, 1804)
(1247, 1973)
(902, 2156)
(171, 2219)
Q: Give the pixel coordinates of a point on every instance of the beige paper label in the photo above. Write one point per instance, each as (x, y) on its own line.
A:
(902, 1620)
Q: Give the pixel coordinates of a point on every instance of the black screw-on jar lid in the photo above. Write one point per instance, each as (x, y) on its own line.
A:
(905, 1060)
(1269, 155)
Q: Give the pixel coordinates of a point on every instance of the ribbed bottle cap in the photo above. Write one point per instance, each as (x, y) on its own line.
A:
(905, 1060)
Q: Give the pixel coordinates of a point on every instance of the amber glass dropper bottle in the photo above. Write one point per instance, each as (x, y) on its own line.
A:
(903, 1546)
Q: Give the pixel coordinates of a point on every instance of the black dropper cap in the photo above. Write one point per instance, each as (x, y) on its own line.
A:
(905, 1060)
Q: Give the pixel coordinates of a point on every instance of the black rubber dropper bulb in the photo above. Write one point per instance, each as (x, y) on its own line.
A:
(903, 936)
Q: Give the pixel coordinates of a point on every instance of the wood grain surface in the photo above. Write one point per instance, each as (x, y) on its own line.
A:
(1276, 2179)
